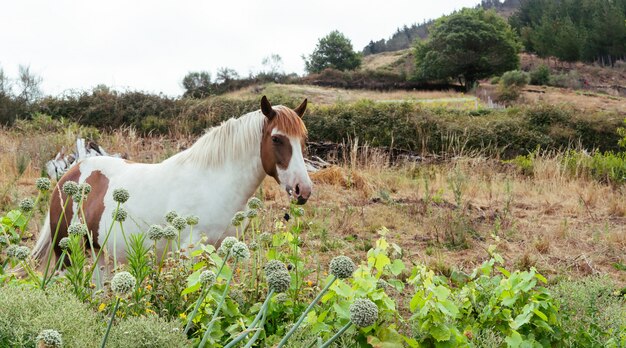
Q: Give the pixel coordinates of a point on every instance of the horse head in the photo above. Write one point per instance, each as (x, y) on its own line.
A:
(282, 145)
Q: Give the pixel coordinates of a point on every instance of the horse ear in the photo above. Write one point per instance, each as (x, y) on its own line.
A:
(266, 108)
(301, 109)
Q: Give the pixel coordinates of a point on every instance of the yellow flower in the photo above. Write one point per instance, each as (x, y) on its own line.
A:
(149, 311)
(101, 307)
(148, 287)
(309, 283)
(183, 316)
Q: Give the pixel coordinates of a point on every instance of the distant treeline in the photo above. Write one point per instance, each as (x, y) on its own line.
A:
(405, 37)
(573, 30)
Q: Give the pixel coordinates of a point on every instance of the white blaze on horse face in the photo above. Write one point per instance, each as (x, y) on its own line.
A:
(295, 178)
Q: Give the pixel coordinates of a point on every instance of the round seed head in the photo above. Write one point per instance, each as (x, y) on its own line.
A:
(50, 339)
(252, 213)
(64, 243)
(363, 312)
(228, 243)
(123, 283)
(11, 249)
(70, 188)
(121, 215)
(155, 232)
(170, 216)
(254, 246)
(77, 229)
(240, 251)
(266, 238)
(27, 205)
(192, 220)
(21, 252)
(179, 222)
(170, 232)
(4, 240)
(254, 203)
(298, 212)
(279, 280)
(342, 267)
(238, 218)
(43, 184)
(120, 195)
(281, 298)
(238, 297)
(273, 266)
(382, 284)
(84, 188)
(207, 278)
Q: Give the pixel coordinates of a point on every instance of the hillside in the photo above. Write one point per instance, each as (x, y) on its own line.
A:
(404, 37)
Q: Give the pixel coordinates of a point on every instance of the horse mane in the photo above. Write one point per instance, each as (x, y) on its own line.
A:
(236, 137)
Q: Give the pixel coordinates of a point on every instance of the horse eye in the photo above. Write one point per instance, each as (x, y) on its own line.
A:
(275, 140)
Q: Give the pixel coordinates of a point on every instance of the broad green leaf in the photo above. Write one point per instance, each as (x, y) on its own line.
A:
(342, 289)
(396, 267)
(504, 271)
(342, 310)
(521, 320)
(441, 292)
(540, 314)
(440, 332)
(448, 308)
(514, 340)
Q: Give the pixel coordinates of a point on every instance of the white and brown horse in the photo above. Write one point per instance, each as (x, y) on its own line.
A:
(212, 179)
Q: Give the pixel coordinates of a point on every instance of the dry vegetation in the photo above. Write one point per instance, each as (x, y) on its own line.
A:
(444, 215)
(329, 95)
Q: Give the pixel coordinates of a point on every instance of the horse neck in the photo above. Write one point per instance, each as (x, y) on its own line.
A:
(231, 151)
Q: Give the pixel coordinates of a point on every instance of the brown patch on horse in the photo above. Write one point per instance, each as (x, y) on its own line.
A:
(276, 149)
(94, 205)
(56, 208)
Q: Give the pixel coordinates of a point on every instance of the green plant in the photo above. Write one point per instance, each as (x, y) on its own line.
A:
(540, 76)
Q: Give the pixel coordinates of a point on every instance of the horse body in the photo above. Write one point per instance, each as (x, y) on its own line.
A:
(213, 179)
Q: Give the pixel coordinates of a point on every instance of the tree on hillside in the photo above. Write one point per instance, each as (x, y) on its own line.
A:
(197, 84)
(467, 46)
(333, 51)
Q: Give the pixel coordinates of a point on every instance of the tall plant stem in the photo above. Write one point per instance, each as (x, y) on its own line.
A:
(207, 333)
(332, 339)
(252, 325)
(106, 335)
(306, 311)
(54, 242)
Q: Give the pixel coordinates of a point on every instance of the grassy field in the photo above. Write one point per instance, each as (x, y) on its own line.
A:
(448, 216)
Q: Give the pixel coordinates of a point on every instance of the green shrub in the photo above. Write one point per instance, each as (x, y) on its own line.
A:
(603, 166)
(593, 312)
(147, 332)
(540, 76)
(567, 80)
(495, 80)
(515, 78)
(26, 311)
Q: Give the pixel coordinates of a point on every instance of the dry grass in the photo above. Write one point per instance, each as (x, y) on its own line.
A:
(329, 95)
(560, 224)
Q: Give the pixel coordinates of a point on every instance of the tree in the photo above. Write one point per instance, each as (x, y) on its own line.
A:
(468, 45)
(28, 85)
(333, 51)
(197, 84)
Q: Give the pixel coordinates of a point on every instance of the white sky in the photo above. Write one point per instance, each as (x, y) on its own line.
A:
(151, 45)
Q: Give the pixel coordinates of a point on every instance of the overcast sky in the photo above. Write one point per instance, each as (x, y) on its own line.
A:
(151, 45)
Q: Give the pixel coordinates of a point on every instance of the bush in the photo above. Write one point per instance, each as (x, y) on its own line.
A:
(510, 85)
(495, 80)
(515, 78)
(592, 312)
(567, 80)
(27, 310)
(144, 332)
(540, 76)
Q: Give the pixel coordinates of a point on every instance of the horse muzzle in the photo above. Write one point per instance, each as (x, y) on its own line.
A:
(300, 193)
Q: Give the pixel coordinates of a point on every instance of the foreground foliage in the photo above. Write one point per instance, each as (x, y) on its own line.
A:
(254, 288)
